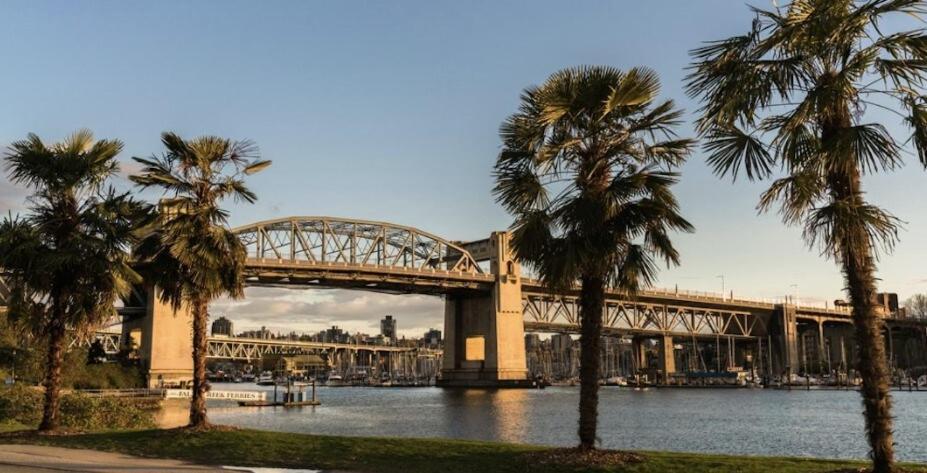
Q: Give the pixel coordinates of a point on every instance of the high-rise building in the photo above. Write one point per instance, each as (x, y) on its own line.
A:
(388, 327)
(432, 338)
(334, 335)
(222, 327)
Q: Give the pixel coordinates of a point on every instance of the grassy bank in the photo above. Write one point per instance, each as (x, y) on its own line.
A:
(273, 449)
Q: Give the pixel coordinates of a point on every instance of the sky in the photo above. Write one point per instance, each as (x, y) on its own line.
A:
(390, 111)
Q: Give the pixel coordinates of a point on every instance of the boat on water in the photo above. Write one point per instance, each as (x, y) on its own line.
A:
(334, 380)
(616, 381)
(266, 379)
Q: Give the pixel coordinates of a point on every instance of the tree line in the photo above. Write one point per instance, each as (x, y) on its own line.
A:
(587, 170)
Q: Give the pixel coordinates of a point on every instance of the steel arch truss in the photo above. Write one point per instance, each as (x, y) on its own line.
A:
(550, 312)
(325, 240)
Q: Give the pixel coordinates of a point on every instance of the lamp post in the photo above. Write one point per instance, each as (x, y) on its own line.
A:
(721, 276)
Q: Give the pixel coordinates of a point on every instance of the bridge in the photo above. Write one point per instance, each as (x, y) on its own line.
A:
(489, 304)
(251, 349)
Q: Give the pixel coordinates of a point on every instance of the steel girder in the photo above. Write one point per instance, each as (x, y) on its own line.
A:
(561, 313)
(326, 240)
(112, 341)
(253, 349)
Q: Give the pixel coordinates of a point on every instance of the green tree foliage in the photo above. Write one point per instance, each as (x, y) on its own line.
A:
(795, 93)
(191, 254)
(66, 260)
(586, 171)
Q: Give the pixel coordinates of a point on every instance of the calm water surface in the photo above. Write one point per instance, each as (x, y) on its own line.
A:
(825, 424)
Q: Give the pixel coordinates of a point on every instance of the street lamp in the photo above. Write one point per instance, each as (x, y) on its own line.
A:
(721, 276)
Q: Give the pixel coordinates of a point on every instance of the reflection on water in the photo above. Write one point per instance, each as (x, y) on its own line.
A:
(500, 414)
(757, 422)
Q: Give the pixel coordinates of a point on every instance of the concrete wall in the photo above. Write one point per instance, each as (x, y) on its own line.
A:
(164, 339)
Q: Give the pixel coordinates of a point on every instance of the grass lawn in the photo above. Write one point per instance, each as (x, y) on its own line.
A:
(379, 455)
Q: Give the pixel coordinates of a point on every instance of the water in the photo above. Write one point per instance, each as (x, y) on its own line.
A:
(824, 424)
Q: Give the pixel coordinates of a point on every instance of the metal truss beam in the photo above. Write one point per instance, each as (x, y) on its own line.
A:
(561, 313)
(234, 348)
(358, 243)
(112, 341)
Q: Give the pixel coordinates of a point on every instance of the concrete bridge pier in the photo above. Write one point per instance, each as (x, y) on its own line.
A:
(666, 357)
(785, 316)
(485, 333)
(164, 340)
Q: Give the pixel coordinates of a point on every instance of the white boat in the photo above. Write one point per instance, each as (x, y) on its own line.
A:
(616, 381)
(334, 380)
(266, 379)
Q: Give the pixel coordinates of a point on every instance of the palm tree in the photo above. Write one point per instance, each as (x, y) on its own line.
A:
(794, 92)
(67, 259)
(190, 254)
(585, 170)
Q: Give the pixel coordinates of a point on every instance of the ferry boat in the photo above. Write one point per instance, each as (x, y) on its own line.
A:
(266, 379)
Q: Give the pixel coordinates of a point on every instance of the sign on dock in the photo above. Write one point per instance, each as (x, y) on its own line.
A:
(217, 395)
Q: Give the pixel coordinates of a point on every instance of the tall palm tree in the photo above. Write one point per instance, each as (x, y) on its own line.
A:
(586, 171)
(190, 254)
(67, 259)
(794, 92)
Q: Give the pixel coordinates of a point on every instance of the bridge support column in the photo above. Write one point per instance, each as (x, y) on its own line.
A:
(789, 324)
(485, 333)
(164, 340)
(667, 358)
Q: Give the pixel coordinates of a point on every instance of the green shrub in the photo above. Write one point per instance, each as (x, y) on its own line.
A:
(22, 404)
(78, 411)
(104, 376)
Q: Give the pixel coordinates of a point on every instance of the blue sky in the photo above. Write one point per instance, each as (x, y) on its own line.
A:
(390, 111)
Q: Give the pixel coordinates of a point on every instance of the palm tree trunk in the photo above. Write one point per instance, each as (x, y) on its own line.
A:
(592, 299)
(50, 418)
(198, 401)
(859, 269)
(854, 247)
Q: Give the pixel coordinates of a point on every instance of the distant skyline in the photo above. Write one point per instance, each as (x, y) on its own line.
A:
(390, 111)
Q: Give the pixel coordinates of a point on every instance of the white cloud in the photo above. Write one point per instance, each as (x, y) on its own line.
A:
(311, 309)
(12, 197)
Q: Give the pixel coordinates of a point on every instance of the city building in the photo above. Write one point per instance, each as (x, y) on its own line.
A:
(432, 338)
(222, 327)
(388, 327)
(334, 335)
(262, 334)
